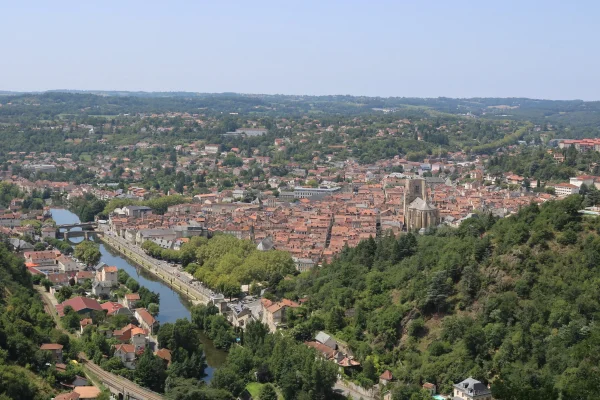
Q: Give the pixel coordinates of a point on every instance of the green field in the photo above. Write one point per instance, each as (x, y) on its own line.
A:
(254, 389)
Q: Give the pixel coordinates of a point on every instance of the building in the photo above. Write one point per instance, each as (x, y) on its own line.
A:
(101, 289)
(212, 148)
(130, 300)
(66, 264)
(582, 180)
(55, 349)
(327, 340)
(471, 389)
(274, 314)
(48, 232)
(81, 305)
(84, 323)
(307, 193)
(386, 377)
(45, 168)
(303, 264)
(46, 257)
(126, 353)
(87, 392)
(146, 319)
(165, 355)
(67, 396)
(418, 212)
(136, 211)
(155, 234)
(430, 387)
(108, 274)
(565, 189)
(139, 338)
(239, 315)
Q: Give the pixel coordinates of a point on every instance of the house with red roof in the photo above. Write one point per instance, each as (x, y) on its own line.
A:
(126, 353)
(146, 319)
(386, 377)
(81, 305)
(274, 314)
(55, 349)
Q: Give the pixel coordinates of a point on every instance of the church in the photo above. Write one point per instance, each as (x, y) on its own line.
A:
(418, 212)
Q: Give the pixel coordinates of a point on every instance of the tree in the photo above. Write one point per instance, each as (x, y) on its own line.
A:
(132, 284)
(267, 392)
(88, 252)
(150, 372)
(335, 322)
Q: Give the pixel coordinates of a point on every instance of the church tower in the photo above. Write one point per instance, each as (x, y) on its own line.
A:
(418, 212)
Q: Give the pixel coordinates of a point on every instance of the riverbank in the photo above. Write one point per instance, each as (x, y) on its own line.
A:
(175, 303)
(195, 297)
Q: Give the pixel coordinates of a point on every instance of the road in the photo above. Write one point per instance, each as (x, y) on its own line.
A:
(172, 275)
(341, 387)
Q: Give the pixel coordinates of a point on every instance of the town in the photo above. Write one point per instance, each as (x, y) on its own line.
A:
(349, 246)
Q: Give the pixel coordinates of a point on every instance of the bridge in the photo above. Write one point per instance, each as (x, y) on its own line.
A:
(84, 234)
(82, 225)
(122, 388)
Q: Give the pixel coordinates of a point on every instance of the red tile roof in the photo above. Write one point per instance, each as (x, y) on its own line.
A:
(81, 303)
(51, 346)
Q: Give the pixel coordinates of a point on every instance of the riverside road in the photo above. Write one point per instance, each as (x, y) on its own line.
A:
(171, 275)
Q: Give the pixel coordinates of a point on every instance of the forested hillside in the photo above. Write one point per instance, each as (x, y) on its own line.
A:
(513, 302)
(24, 326)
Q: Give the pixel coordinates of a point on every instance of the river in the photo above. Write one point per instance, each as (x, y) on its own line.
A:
(172, 305)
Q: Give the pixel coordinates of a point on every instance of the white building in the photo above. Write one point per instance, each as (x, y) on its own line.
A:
(472, 389)
(565, 189)
(586, 180)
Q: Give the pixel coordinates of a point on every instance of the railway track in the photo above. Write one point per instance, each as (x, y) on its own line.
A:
(116, 383)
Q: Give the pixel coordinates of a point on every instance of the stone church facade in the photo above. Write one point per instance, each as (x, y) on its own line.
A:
(418, 212)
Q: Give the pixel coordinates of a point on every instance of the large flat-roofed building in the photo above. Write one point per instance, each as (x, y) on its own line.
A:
(565, 189)
(304, 192)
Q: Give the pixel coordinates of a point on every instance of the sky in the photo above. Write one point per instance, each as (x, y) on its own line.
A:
(420, 48)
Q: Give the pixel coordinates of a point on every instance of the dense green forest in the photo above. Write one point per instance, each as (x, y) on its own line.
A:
(513, 302)
(24, 326)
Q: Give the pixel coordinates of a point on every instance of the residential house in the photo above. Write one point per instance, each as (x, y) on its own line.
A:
(81, 305)
(67, 264)
(146, 319)
(83, 323)
(239, 315)
(126, 353)
(471, 389)
(430, 387)
(43, 258)
(108, 274)
(124, 335)
(67, 396)
(327, 340)
(139, 338)
(81, 276)
(386, 377)
(55, 349)
(101, 289)
(87, 392)
(274, 314)
(48, 232)
(130, 300)
(165, 354)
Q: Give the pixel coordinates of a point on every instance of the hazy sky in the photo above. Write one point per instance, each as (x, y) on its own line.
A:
(541, 49)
